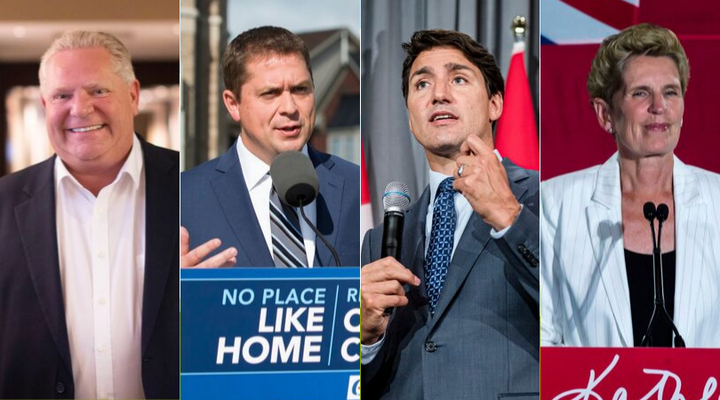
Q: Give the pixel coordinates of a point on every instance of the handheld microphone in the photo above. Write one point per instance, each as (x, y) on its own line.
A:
(661, 213)
(395, 202)
(296, 184)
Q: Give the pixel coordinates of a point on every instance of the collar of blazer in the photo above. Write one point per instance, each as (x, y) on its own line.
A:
(604, 222)
(37, 226)
(229, 187)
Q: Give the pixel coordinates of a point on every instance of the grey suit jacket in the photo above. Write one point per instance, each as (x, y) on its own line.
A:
(483, 341)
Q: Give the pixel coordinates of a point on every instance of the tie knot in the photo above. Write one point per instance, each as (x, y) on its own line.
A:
(446, 186)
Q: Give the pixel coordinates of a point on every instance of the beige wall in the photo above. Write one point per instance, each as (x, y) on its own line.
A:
(44, 10)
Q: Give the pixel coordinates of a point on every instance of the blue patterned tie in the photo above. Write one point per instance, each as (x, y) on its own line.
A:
(442, 234)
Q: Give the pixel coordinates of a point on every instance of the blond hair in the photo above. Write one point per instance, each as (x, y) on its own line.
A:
(119, 54)
(606, 74)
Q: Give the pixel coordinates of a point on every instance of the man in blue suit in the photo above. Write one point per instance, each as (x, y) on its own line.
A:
(465, 288)
(89, 296)
(228, 214)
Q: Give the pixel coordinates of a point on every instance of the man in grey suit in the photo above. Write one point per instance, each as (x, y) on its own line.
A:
(464, 293)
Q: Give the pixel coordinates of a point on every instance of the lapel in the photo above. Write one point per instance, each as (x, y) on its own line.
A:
(604, 221)
(161, 203)
(38, 232)
(327, 204)
(413, 247)
(231, 191)
(690, 246)
(472, 243)
(413, 252)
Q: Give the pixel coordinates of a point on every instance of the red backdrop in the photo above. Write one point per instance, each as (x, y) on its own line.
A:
(571, 138)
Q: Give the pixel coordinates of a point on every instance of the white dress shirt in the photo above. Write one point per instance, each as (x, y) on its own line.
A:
(259, 185)
(463, 212)
(101, 248)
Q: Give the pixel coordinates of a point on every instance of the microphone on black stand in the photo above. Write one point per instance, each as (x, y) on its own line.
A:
(296, 184)
(395, 202)
(661, 213)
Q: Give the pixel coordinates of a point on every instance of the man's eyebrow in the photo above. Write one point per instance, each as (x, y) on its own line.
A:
(422, 71)
(456, 67)
(306, 82)
(270, 89)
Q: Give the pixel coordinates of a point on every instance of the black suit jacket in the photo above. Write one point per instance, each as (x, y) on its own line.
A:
(216, 204)
(483, 340)
(34, 351)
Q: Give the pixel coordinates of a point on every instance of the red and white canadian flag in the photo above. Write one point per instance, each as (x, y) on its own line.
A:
(366, 217)
(516, 136)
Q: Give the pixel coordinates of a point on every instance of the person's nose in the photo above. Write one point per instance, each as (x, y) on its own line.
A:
(287, 104)
(658, 104)
(442, 92)
(82, 105)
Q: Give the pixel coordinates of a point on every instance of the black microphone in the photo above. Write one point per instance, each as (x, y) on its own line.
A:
(296, 184)
(649, 211)
(395, 202)
(661, 213)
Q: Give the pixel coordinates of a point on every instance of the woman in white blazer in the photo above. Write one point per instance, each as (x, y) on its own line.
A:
(596, 247)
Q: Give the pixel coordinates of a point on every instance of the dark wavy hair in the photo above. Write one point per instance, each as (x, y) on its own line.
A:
(472, 50)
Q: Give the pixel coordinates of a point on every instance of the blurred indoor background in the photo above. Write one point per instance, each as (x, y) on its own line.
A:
(149, 29)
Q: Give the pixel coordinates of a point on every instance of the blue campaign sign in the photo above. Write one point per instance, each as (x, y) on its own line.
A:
(266, 333)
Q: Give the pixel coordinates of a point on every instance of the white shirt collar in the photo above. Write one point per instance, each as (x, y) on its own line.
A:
(254, 169)
(132, 167)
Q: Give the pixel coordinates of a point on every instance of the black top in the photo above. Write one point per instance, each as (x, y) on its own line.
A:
(641, 283)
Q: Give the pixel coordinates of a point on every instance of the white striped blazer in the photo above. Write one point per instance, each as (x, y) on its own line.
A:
(584, 295)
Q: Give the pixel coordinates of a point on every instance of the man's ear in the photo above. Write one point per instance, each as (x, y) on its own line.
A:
(232, 104)
(135, 96)
(495, 107)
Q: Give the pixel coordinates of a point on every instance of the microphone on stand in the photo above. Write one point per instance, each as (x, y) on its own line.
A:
(661, 213)
(296, 184)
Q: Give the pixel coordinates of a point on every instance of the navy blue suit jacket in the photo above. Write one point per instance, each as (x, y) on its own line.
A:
(35, 358)
(216, 204)
(483, 340)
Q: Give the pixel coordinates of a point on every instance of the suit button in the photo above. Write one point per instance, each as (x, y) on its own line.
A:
(430, 347)
(60, 388)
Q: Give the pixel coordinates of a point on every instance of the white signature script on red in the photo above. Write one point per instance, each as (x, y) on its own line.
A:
(656, 392)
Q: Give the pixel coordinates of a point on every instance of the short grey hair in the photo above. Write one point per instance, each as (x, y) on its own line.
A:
(119, 54)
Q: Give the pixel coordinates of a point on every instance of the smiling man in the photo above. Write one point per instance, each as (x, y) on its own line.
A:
(231, 214)
(89, 281)
(464, 293)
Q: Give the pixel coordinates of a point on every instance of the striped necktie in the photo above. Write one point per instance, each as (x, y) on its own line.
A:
(442, 237)
(287, 241)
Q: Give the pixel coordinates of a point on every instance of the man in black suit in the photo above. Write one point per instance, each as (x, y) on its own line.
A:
(89, 271)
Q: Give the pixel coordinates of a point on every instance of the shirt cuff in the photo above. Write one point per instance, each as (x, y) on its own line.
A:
(499, 235)
(368, 352)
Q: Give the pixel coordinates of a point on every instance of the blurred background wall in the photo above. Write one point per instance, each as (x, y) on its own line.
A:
(149, 29)
(330, 28)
